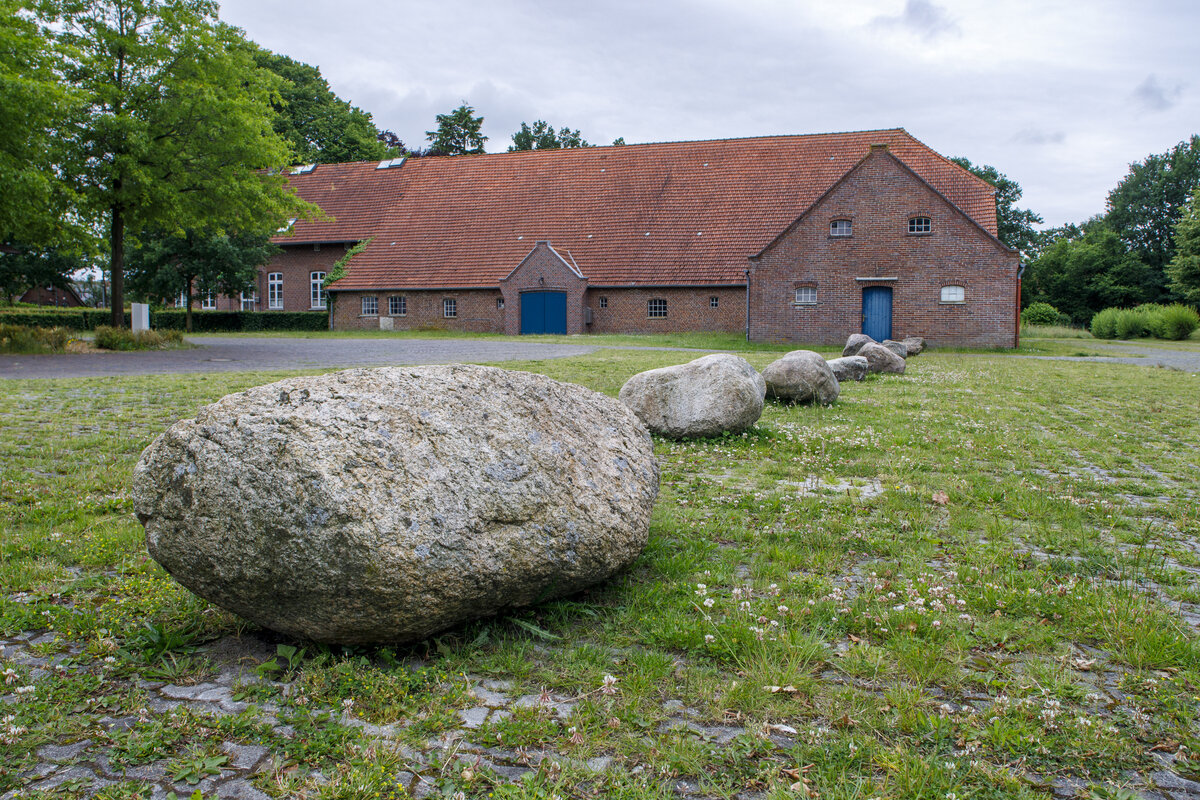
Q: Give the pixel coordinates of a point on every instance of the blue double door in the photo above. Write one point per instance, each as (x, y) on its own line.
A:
(877, 312)
(544, 312)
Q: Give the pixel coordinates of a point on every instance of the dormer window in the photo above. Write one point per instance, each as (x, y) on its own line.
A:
(919, 225)
(841, 227)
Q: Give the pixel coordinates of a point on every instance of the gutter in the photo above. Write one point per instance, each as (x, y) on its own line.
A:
(747, 305)
(1017, 334)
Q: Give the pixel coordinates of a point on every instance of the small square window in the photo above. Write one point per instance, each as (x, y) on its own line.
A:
(713, 302)
(806, 296)
(920, 225)
(449, 307)
(841, 227)
(499, 303)
(954, 294)
(370, 306)
(657, 309)
(604, 302)
(397, 305)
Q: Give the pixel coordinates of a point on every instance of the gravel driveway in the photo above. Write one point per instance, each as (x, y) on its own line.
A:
(1184, 360)
(236, 353)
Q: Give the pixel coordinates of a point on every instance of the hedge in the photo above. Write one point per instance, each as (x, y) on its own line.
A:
(86, 319)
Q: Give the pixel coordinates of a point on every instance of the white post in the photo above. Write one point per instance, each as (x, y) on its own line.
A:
(141, 317)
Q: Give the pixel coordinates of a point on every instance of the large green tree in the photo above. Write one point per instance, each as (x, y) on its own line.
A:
(1148, 202)
(174, 129)
(33, 103)
(542, 136)
(191, 264)
(1184, 269)
(321, 127)
(458, 133)
(1015, 225)
(1080, 276)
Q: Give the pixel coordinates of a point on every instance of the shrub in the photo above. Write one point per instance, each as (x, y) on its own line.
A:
(1132, 324)
(1104, 323)
(87, 319)
(109, 338)
(24, 340)
(1040, 314)
(1178, 321)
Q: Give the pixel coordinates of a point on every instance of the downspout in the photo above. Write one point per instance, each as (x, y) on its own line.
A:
(747, 305)
(1020, 274)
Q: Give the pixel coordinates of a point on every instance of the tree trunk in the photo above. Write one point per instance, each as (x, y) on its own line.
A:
(187, 314)
(117, 268)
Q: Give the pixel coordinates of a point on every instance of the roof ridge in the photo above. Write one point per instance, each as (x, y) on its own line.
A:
(951, 162)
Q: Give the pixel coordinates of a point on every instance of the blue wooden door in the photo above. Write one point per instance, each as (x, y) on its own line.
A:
(877, 312)
(544, 312)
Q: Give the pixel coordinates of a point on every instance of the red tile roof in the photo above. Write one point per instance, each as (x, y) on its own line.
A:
(682, 213)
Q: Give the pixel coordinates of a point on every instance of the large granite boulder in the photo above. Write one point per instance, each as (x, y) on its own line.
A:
(899, 348)
(383, 505)
(881, 359)
(915, 345)
(849, 368)
(802, 376)
(855, 343)
(706, 397)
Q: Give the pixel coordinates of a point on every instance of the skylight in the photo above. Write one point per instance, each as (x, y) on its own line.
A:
(304, 169)
(392, 162)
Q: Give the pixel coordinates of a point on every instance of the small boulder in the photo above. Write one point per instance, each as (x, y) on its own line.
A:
(706, 397)
(849, 368)
(915, 345)
(802, 376)
(384, 505)
(899, 348)
(855, 343)
(882, 359)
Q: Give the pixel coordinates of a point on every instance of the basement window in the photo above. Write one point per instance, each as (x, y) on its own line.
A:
(656, 309)
(841, 227)
(954, 294)
(806, 296)
(449, 307)
(919, 225)
(370, 306)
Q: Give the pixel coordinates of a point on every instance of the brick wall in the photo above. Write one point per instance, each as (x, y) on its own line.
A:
(879, 197)
(543, 270)
(688, 309)
(297, 262)
(475, 310)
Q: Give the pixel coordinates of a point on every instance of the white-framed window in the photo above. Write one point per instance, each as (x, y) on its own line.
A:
(656, 308)
(449, 307)
(499, 303)
(181, 301)
(275, 290)
(841, 227)
(954, 294)
(806, 296)
(920, 225)
(604, 302)
(397, 306)
(209, 301)
(249, 301)
(370, 305)
(316, 283)
(714, 301)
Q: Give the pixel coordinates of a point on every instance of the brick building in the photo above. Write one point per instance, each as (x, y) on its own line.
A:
(791, 238)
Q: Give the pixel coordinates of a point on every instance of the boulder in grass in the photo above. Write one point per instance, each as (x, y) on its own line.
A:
(899, 348)
(849, 368)
(882, 359)
(384, 505)
(855, 343)
(802, 376)
(915, 345)
(707, 397)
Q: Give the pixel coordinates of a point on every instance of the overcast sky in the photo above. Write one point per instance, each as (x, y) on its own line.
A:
(1060, 96)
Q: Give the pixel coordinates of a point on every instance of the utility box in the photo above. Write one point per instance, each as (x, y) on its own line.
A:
(385, 323)
(140, 316)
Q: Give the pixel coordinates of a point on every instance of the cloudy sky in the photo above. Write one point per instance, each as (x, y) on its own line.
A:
(1061, 95)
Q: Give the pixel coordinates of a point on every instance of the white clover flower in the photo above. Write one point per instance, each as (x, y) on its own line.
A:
(709, 638)
(609, 686)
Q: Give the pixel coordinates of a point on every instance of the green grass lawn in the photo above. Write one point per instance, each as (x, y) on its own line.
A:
(961, 582)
